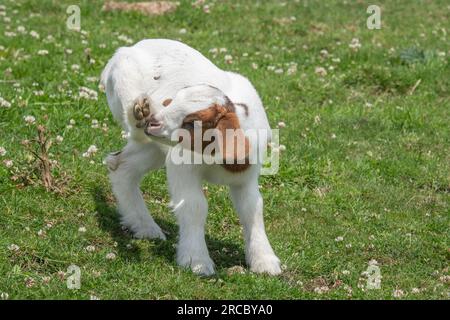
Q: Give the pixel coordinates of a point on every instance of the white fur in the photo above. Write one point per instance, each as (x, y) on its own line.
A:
(159, 69)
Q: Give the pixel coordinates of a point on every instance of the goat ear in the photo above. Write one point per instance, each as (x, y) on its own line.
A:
(234, 145)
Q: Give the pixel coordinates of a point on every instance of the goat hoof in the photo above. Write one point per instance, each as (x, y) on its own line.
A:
(202, 265)
(268, 263)
(141, 111)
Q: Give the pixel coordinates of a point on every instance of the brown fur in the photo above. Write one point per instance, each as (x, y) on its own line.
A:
(167, 102)
(222, 117)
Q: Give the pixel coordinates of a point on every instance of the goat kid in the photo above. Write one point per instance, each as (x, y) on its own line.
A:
(157, 87)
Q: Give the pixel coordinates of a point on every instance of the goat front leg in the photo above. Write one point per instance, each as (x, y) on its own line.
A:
(126, 169)
(190, 207)
(249, 205)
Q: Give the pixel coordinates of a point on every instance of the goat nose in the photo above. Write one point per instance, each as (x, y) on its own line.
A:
(152, 121)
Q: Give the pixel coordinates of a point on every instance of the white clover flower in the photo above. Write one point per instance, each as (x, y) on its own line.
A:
(82, 229)
(30, 282)
(228, 58)
(125, 38)
(75, 67)
(4, 296)
(320, 71)
(111, 256)
(281, 125)
(355, 45)
(10, 34)
(87, 93)
(29, 120)
(34, 34)
(324, 53)
(339, 239)
(59, 139)
(41, 233)
(321, 290)
(182, 31)
(90, 248)
(2, 151)
(345, 272)
(282, 147)
(4, 103)
(92, 297)
(279, 71)
(317, 120)
(13, 247)
(398, 293)
(90, 151)
(292, 69)
(94, 124)
(42, 52)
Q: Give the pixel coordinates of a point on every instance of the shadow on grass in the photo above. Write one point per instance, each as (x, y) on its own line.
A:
(224, 253)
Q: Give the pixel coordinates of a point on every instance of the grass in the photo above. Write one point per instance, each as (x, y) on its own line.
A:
(366, 160)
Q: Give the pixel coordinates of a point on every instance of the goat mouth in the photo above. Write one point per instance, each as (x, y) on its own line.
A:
(153, 128)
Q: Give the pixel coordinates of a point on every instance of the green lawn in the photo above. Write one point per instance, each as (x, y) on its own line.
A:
(365, 175)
